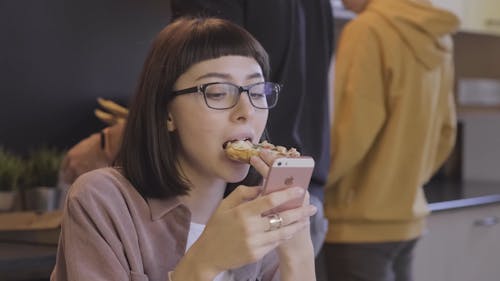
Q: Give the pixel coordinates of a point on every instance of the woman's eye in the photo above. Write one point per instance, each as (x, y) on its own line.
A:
(215, 95)
(256, 96)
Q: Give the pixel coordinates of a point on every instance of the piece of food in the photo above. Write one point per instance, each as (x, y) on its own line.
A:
(242, 150)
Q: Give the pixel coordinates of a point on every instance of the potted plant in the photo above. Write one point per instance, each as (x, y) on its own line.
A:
(11, 169)
(41, 177)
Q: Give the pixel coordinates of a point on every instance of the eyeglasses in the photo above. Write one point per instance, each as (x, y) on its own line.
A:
(222, 95)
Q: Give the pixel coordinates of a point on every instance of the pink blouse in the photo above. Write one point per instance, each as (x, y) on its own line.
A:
(110, 232)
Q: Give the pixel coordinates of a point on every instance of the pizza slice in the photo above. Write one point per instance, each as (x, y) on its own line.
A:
(242, 150)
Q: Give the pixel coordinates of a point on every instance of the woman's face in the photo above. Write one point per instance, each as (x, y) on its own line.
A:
(203, 131)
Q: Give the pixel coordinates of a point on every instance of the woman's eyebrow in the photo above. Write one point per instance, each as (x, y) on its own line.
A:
(254, 75)
(227, 76)
(213, 75)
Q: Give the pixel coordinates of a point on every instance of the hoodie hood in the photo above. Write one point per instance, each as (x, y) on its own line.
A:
(423, 27)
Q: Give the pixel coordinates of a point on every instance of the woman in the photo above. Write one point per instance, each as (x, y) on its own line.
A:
(160, 213)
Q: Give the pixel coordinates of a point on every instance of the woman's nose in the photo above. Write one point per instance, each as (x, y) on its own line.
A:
(244, 108)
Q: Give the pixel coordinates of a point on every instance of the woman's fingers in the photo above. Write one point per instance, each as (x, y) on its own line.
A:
(238, 219)
(248, 207)
(263, 161)
(278, 220)
(287, 232)
(277, 236)
(260, 165)
(114, 108)
(240, 195)
(274, 199)
(105, 117)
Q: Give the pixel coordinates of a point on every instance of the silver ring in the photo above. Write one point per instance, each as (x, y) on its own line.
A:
(275, 222)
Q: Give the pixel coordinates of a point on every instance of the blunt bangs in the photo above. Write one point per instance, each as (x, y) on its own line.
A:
(201, 39)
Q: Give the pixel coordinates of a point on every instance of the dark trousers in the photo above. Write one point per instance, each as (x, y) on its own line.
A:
(391, 261)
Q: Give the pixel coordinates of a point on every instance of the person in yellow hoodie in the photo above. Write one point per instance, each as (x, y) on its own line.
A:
(394, 126)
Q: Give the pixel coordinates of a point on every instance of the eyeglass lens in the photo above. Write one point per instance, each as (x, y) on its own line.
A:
(222, 96)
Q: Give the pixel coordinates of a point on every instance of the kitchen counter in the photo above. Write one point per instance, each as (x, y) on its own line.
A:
(451, 195)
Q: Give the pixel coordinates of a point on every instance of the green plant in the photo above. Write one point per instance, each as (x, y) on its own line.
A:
(11, 169)
(42, 167)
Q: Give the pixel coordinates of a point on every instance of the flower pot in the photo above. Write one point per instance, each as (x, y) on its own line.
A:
(42, 199)
(7, 200)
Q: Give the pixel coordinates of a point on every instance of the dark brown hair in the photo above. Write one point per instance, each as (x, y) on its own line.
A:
(148, 155)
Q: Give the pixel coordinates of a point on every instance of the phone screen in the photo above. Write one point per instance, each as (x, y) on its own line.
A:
(287, 172)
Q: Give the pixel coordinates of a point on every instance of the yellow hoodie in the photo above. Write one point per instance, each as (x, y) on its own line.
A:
(394, 120)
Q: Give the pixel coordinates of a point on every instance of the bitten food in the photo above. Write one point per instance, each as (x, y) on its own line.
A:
(242, 150)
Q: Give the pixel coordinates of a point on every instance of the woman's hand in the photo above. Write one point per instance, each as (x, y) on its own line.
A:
(89, 154)
(297, 253)
(237, 234)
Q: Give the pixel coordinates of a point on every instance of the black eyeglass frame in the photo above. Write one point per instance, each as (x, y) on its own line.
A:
(201, 89)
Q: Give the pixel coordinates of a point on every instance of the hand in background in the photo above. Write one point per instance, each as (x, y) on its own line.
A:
(98, 150)
(112, 114)
(85, 156)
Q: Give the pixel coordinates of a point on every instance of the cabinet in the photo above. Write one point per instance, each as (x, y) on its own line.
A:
(480, 16)
(461, 245)
(481, 139)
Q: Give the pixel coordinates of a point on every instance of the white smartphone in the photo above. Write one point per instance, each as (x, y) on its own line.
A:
(287, 172)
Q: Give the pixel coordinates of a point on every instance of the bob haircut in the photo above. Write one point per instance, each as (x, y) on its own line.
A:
(148, 155)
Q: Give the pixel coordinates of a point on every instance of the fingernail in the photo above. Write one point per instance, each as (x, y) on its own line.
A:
(312, 209)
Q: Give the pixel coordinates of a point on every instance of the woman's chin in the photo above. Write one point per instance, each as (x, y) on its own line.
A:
(237, 176)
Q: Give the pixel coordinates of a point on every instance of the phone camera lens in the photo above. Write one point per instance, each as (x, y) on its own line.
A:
(279, 163)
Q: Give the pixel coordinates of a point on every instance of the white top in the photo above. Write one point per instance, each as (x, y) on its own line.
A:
(195, 231)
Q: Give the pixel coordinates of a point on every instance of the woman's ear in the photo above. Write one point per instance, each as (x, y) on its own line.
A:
(170, 123)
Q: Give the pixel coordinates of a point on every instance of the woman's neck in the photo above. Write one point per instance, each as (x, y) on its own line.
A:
(203, 200)
(205, 194)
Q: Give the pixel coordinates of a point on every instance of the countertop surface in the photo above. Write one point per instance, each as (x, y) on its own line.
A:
(451, 195)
